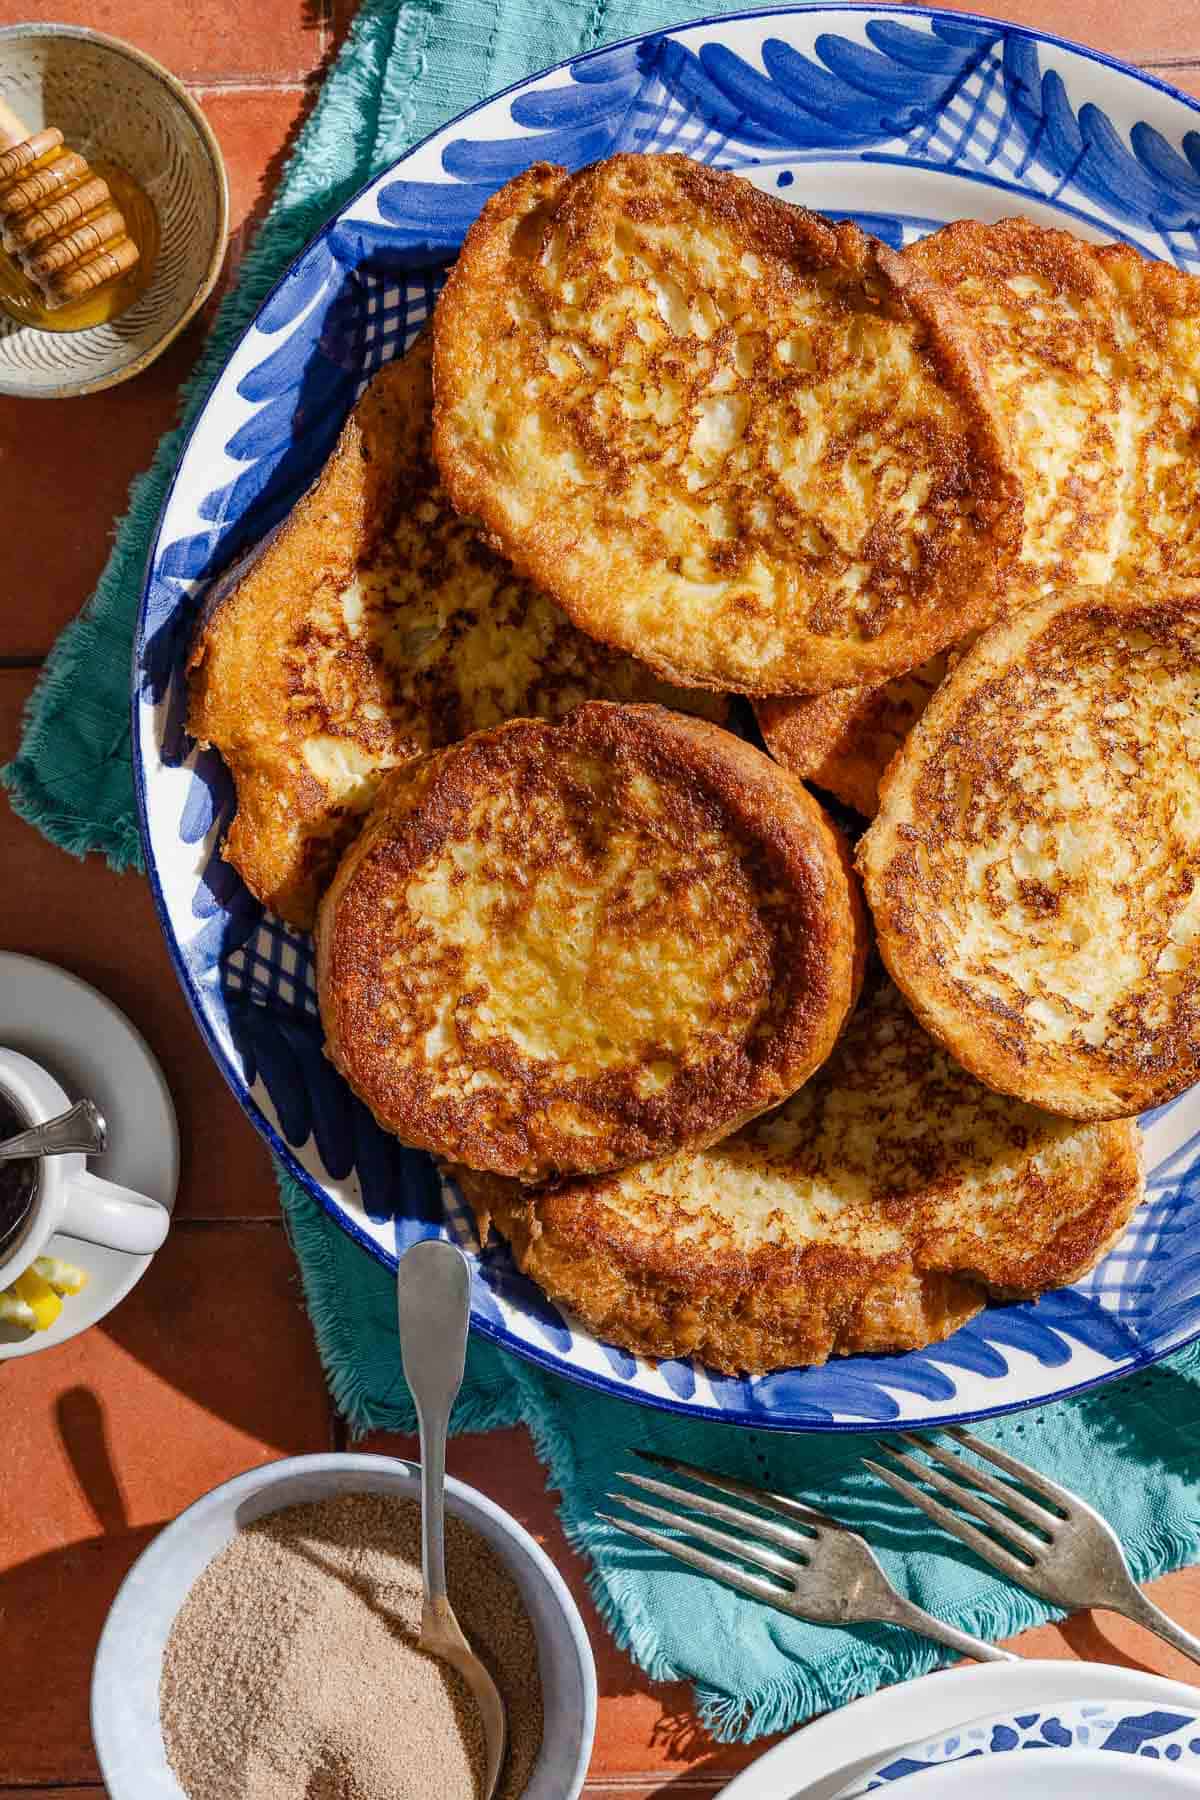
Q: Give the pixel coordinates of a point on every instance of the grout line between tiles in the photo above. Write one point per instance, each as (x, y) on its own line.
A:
(187, 1223)
(24, 659)
(236, 84)
(1173, 62)
(667, 1782)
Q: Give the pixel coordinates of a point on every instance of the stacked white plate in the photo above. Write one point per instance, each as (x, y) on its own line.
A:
(1064, 1731)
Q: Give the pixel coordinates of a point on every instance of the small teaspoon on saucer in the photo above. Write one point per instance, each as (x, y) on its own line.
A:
(80, 1128)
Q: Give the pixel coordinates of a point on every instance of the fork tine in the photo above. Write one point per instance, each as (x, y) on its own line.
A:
(1000, 1490)
(976, 1540)
(742, 1548)
(716, 1509)
(726, 1484)
(754, 1585)
(1033, 1478)
(971, 1502)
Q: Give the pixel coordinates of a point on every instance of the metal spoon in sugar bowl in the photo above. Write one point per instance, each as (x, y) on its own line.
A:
(434, 1293)
(80, 1128)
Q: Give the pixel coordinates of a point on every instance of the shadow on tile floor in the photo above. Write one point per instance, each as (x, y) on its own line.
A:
(699, 1782)
(224, 117)
(54, 1606)
(679, 1737)
(207, 1367)
(274, 167)
(59, 1601)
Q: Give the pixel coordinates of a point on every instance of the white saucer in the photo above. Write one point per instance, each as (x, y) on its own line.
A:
(89, 1045)
(820, 1759)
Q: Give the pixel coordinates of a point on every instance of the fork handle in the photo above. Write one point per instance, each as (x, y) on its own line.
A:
(1141, 1609)
(915, 1618)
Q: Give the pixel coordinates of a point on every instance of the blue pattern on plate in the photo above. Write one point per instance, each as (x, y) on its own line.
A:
(910, 99)
(1086, 1725)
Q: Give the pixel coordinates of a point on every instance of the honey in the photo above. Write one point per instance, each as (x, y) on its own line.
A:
(24, 302)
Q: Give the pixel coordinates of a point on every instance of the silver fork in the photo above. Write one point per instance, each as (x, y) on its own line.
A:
(1065, 1551)
(821, 1570)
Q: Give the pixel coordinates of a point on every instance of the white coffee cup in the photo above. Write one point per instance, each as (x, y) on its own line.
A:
(67, 1197)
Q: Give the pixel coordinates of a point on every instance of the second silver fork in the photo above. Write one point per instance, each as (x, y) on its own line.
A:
(1045, 1538)
(815, 1569)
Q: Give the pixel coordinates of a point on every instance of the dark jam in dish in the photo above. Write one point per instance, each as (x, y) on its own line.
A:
(18, 1180)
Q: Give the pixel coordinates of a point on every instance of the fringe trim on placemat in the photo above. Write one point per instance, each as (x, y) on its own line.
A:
(31, 798)
(882, 1654)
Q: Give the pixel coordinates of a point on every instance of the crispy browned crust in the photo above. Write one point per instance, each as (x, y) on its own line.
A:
(1123, 331)
(921, 591)
(1163, 356)
(843, 741)
(1032, 861)
(1086, 334)
(447, 640)
(239, 695)
(741, 1315)
(623, 1253)
(748, 871)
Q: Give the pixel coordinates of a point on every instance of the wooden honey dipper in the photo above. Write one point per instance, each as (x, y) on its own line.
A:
(58, 219)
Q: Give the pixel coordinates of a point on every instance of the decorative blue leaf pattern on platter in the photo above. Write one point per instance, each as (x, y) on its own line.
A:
(680, 1378)
(210, 795)
(900, 120)
(1094, 1726)
(1143, 182)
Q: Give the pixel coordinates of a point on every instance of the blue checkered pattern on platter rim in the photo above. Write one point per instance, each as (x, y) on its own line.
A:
(856, 97)
(392, 315)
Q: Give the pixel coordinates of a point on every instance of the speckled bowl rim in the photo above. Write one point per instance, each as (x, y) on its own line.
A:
(68, 389)
(461, 1501)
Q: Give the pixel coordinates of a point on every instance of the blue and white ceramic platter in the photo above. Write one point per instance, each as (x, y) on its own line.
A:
(902, 118)
(1086, 1738)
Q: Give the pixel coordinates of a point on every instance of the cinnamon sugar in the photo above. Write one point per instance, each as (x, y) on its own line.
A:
(292, 1670)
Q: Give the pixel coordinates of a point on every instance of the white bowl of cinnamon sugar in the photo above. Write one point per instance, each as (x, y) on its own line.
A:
(263, 1647)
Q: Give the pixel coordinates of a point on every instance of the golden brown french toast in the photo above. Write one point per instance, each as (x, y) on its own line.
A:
(844, 740)
(755, 449)
(555, 949)
(876, 1211)
(372, 627)
(1033, 867)
(1094, 356)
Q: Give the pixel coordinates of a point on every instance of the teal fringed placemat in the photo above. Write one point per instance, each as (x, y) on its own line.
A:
(1133, 1450)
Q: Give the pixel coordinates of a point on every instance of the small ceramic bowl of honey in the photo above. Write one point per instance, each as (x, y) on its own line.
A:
(139, 129)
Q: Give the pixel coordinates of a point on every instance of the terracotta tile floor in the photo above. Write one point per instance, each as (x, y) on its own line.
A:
(209, 1367)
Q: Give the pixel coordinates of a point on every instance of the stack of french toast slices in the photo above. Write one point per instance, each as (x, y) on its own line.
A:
(728, 1087)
